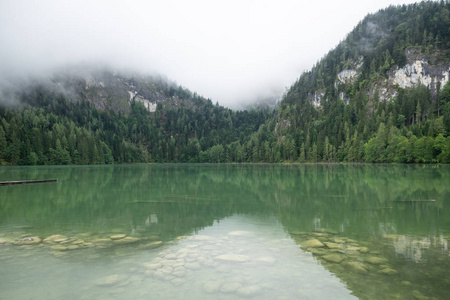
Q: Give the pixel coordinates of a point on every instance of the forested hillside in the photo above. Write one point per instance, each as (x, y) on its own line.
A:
(56, 130)
(382, 95)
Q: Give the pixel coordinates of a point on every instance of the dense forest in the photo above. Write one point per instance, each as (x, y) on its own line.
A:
(64, 132)
(410, 126)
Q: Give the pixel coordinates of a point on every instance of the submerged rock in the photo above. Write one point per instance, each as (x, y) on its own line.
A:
(312, 243)
(388, 271)
(117, 236)
(374, 260)
(364, 250)
(153, 244)
(249, 291)
(101, 241)
(211, 286)
(240, 233)
(29, 241)
(54, 239)
(78, 242)
(335, 258)
(127, 240)
(230, 287)
(419, 296)
(332, 245)
(109, 280)
(266, 259)
(231, 257)
(4, 241)
(193, 266)
(59, 248)
(152, 266)
(318, 251)
(355, 266)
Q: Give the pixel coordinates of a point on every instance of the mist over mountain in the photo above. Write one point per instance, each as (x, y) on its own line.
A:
(233, 52)
(381, 95)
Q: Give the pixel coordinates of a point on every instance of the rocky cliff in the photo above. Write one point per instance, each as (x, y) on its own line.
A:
(104, 88)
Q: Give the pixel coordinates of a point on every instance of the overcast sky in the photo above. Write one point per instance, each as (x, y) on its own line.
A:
(232, 51)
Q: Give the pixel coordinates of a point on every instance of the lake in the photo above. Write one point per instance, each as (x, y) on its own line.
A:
(313, 231)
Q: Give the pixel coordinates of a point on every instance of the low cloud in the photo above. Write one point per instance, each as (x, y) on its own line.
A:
(233, 52)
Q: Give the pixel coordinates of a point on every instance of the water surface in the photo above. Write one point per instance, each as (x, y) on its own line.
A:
(226, 232)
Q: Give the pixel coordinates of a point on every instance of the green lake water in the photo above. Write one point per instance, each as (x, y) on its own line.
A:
(226, 232)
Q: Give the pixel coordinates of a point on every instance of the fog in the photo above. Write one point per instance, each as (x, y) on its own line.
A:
(233, 52)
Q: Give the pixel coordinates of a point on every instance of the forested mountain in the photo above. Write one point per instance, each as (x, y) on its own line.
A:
(99, 116)
(382, 95)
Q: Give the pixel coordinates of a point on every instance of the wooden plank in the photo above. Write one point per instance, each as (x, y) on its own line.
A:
(412, 201)
(27, 181)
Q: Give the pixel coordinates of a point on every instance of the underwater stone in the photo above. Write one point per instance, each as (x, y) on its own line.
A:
(153, 244)
(211, 286)
(419, 296)
(332, 245)
(109, 280)
(313, 243)
(178, 281)
(117, 236)
(240, 233)
(249, 291)
(29, 241)
(151, 266)
(59, 248)
(101, 241)
(127, 240)
(356, 267)
(353, 248)
(56, 238)
(166, 270)
(78, 242)
(336, 258)
(170, 256)
(376, 260)
(230, 287)
(364, 250)
(179, 272)
(231, 257)
(88, 244)
(267, 259)
(387, 271)
(339, 240)
(320, 234)
(318, 251)
(193, 266)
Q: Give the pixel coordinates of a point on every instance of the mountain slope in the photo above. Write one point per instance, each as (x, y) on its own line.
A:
(100, 116)
(369, 99)
(382, 95)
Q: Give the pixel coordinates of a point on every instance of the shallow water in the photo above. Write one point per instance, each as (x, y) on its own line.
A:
(226, 232)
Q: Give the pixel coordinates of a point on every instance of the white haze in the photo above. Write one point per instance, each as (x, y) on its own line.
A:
(234, 51)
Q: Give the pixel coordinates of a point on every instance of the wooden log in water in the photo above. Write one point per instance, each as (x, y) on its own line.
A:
(27, 181)
(411, 201)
